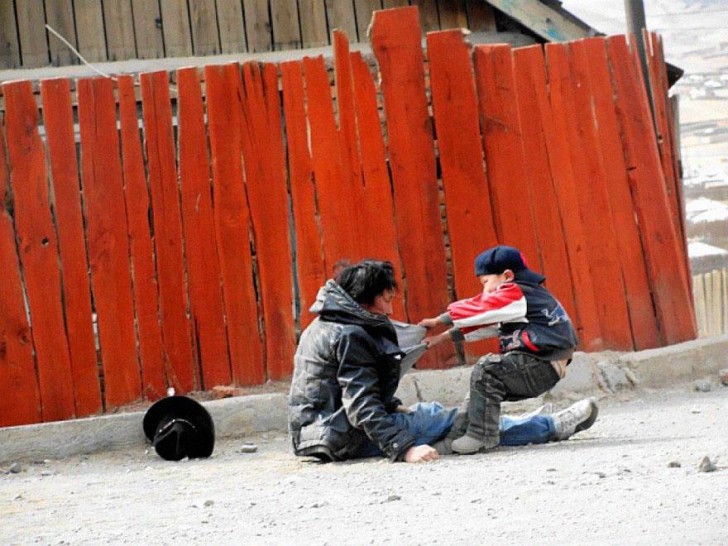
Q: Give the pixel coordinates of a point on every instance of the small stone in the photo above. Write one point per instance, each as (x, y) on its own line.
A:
(392, 498)
(15, 468)
(706, 465)
(674, 464)
(209, 503)
(248, 448)
(703, 385)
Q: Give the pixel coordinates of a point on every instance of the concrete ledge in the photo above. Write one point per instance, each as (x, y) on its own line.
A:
(589, 373)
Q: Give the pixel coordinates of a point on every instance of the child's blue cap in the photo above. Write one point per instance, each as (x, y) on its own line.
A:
(496, 260)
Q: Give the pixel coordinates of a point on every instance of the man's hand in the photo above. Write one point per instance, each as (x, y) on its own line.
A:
(435, 340)
(429, 323)
(421, 454)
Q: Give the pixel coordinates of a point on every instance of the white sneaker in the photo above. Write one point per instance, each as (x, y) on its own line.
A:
(546, 409)
(575, 418)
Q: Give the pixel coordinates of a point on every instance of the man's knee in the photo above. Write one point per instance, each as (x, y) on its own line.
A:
(482, 371)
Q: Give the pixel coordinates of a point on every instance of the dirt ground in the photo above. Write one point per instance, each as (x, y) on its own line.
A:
(633, 478)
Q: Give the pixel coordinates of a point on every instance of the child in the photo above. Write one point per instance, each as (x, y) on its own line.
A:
(537, 341)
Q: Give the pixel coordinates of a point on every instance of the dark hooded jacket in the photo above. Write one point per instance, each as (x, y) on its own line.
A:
(346, 371)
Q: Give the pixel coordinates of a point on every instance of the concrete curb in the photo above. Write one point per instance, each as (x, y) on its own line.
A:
(590, 373)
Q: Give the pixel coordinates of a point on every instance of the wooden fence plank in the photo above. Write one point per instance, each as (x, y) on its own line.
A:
(469, 211)
(377, 204)
(58, 121)
(396, 43)
(144, 274)
(664, 257)
(699, 299)
(107, 240)
(429, 16)
(557, 145)
(119, 28)
(206, 305)
(167, 221)
(38, 249)
(340, 15)
(715, 324)
(530, 77)
(258, 26)
(645, 330)
(286, 29)
(332, 189)
(20, 396)
(203, 23)
(390, 4)
(89, 22)
(452, 14)
(59, 16)
(364, 10)
(9, 50)
(33, 46)
(232, 223)
(586, 158)
(512, 201)
(266, 180)
(148, 29)
(481, 17)
(176, 28)
(314, 31)
(231, 26)
(310, 269)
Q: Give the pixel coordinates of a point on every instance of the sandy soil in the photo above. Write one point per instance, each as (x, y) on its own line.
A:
(631, 479)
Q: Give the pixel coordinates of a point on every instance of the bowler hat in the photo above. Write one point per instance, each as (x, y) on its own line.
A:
(496, 260)
(179, 427)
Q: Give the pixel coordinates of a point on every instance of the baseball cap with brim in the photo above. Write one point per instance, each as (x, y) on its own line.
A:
(179, 427)
(496, 260)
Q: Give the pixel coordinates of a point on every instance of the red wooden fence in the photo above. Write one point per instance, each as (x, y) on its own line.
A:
(187, 255)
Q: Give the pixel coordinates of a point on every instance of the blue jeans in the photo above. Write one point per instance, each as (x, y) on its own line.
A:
(538, 429)
(427, 422)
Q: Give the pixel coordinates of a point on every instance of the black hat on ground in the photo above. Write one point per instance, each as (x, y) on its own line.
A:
(179, 427)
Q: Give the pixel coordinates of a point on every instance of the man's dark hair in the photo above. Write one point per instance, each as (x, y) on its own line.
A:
(367, 279)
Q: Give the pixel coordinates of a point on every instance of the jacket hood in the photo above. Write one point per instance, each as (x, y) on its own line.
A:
(339, 306)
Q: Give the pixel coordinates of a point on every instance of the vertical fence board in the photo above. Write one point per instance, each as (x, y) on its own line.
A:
(364, 10)
(107, 240)
(481, 17)
(59, 16)
(119, 30)
(148, 29)
(33, 46)
(645, 331)
(664, 257)
(89, 22)
(310, 269)
(265, 180)
(717, 303)
(699, 298)
(511, 196)
(58, 121)
(144, 274)
(469, 212)
(206, 306)
(429, 16)
(176, 28)
(452, 14)
(340, 15)
(167, 223)
(530, 78)
(203, 23)
(389, 4)
(286, 29)
(377, 204)
(38, 248)
(231, 26)
(9, 50)
(557, 145)
(258, 26)
(331, 188)
(232, 223)
(314, 31)
(20, 401)
(586, 159)
(396, 43)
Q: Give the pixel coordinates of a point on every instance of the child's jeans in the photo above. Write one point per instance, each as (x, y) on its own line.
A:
(509, 377)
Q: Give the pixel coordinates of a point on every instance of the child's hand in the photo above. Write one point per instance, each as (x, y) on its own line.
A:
(432, 341)
(429, 323)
